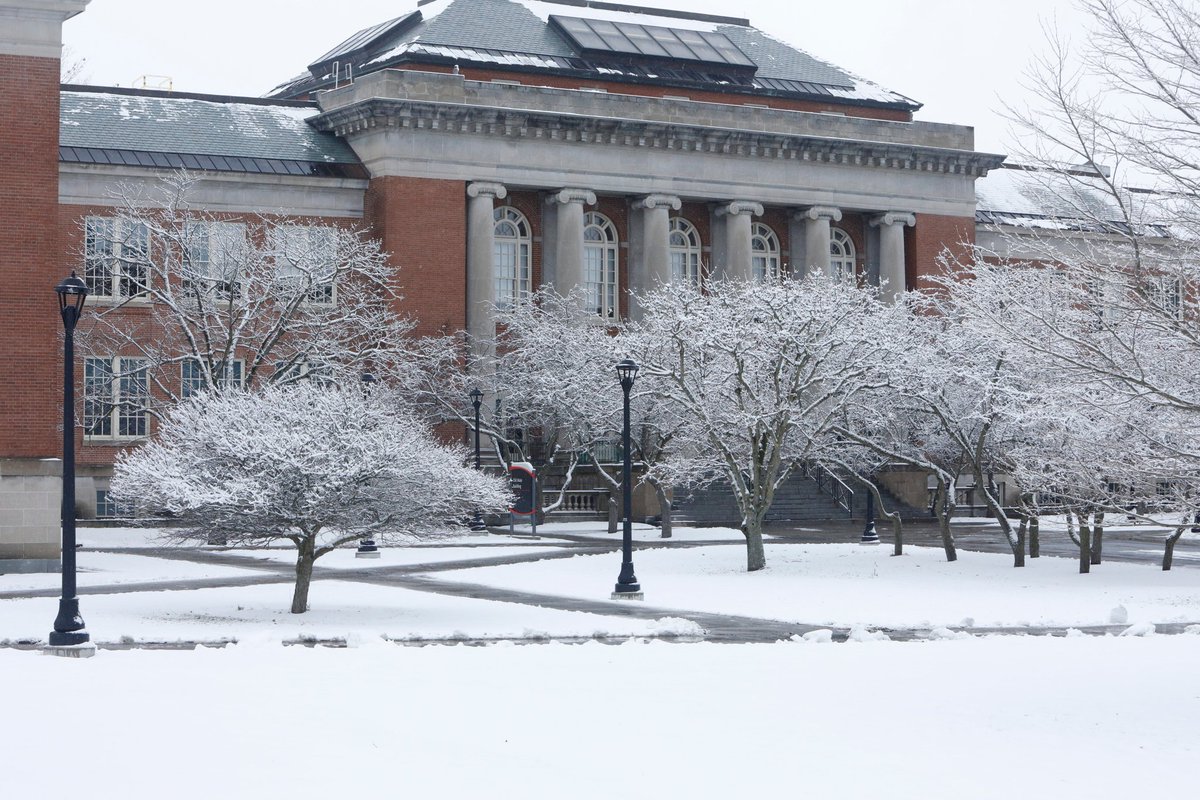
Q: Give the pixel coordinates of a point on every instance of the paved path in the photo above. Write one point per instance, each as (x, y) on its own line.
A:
(723, 628)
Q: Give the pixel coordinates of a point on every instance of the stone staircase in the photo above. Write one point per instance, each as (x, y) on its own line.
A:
(799, 499)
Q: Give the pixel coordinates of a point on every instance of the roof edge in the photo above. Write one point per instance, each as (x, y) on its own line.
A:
(211, 98)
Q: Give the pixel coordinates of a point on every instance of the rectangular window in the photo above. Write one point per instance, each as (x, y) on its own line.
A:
(192, 379)
(116, 260)
(215, 254)
(1166, 297)
(116, 397)
(600, 279)
(107, 508)
(306, 257)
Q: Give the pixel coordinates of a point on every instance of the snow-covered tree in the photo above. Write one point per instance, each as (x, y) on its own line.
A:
(314, 465)
(200, 300)
(755, 373)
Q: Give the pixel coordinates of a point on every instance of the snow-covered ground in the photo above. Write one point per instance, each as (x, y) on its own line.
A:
(337, 609)
(975, 717)
(1094, 718)
(847, 584)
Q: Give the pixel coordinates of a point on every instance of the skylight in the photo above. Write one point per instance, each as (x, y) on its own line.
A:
(597, 35)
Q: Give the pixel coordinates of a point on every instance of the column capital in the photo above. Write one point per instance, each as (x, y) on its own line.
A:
(747, 207)
(815, 213)
(659, 201)
(894, 218)
(565, 196)
(483, 189)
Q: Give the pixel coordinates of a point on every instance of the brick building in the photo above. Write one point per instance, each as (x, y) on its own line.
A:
(493, 146)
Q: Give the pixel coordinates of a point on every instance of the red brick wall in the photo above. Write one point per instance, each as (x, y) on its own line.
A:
(137, 319)
(30, 326)
(924, 243)
(423, 224)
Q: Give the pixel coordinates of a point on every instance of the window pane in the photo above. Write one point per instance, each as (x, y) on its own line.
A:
(133, 392)
(98, 256)
(97, 397)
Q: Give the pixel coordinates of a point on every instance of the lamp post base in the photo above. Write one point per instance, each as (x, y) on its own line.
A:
(869, 537)
(628, 596)
(84, 650)
(367, 554)
(367, 549)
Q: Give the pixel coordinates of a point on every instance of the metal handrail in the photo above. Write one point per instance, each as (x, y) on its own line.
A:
(830, 484)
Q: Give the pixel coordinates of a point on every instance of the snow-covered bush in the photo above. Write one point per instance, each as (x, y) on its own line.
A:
(314, 465)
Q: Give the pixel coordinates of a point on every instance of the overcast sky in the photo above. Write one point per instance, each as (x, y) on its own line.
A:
(960, 58)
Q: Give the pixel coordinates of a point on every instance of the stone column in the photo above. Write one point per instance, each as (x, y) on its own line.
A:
(738, 263)
(568, 237)
(891, 252)
(481, 235)
(816, 238)
(651, 267)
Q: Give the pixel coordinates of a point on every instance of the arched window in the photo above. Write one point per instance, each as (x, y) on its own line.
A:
(764, 252)
(511, 257)
(841, 256)
(600, 265)
(685, 252)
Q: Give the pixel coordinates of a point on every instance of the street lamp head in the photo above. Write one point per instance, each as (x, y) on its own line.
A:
(368, 379)
(476, 397)
(627, 370)
(72, 292)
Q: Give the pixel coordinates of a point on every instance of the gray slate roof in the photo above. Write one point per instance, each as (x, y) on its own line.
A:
(1070, 199)
(512, 26)
(167, 124)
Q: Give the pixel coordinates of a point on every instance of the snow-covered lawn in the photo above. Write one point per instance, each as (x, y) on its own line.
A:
(337, 609)
(110, 569)
(847, 584)
(344, 558)
(1094, 718)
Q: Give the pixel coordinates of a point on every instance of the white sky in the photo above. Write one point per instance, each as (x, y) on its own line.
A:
(960, 58)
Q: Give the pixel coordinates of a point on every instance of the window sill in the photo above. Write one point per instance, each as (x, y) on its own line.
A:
(119, 302)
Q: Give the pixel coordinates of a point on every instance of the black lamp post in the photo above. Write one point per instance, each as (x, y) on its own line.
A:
(366, 547)
(628, 587)
(69, 628)
(476, 396)
(869, 534)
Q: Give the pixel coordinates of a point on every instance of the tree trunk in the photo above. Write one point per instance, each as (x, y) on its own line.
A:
(664, 509)
(614, 511)
(1035, 539)
(943, 517)
(304, 567)
(1097, 537)
(1019, 552)
(897, 535)
(1169, 548)
(1085, 545)
(1071, 528)
(756, 557)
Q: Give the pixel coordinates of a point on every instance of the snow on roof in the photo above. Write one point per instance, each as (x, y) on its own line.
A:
(543, 11)
(1066, 199)
(216, 126)
(518, 32)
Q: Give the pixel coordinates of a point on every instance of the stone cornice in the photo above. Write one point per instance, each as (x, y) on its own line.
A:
(534, 125)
